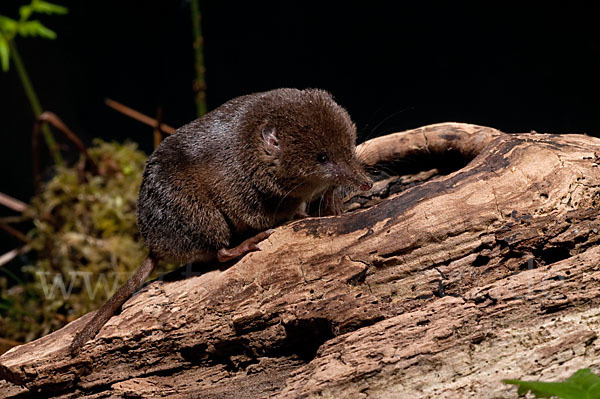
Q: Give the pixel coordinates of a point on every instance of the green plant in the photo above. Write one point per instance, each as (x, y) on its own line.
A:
(583, 384)
(9, 30)
(85, 243)
(199, 84)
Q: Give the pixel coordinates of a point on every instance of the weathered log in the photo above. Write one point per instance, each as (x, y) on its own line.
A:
(438, 288)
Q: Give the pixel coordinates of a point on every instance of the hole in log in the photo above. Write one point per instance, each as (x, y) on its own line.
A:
(481, 260)
(554, 254)
(445, 163)
(194, 354)
(305, 336)
(401, 160)
(235, 354)
(392, 177)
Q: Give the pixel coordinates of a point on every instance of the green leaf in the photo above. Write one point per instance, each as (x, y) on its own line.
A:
(594, 391)
(48, 8)
(35, 28)
(8, 26)
(4, 53)
(25, 12)
(548, 389)
(584, 378)
(583, 384)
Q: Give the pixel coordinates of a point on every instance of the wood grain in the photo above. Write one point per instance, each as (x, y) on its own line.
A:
(435, 286)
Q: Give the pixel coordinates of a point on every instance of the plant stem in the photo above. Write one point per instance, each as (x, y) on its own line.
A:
(35, 103)
(199, 84)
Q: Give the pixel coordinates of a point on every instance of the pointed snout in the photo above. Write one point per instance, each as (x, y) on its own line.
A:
(352, 175)
(366, 186)
(362, 181)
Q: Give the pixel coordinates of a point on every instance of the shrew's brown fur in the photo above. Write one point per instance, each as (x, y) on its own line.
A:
(245, 167)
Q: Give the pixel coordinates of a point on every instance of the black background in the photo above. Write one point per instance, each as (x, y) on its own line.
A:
(393, 68)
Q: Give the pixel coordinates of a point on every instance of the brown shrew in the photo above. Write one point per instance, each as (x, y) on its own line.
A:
(227, 178)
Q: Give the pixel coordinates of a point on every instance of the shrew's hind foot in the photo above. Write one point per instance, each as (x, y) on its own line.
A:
(249, 245)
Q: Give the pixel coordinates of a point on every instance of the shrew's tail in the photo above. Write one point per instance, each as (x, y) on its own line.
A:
(107, 310)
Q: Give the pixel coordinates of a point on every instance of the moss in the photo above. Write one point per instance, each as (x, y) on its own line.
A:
(84, 235)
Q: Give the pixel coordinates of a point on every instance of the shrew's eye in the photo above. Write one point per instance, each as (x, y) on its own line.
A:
(322, 158)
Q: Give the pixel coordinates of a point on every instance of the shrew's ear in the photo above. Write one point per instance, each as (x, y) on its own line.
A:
(270, 140)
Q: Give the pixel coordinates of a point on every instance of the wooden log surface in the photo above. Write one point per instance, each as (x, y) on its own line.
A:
(432, 286)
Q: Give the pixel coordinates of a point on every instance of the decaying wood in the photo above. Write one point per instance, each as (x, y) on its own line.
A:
(436, 289)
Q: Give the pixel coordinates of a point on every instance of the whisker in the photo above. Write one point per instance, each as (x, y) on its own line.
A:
(373, 130)
(387, 118)
(283, 198)
(321, 203)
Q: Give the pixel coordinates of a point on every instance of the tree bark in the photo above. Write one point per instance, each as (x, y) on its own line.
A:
(438, 284)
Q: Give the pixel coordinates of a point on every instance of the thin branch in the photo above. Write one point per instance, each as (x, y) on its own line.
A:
(51, 118)
(14, 232)
(199, 85)
(14, 219)
(158, 136)
(10, 255)
(12, 203)
(132, 113)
